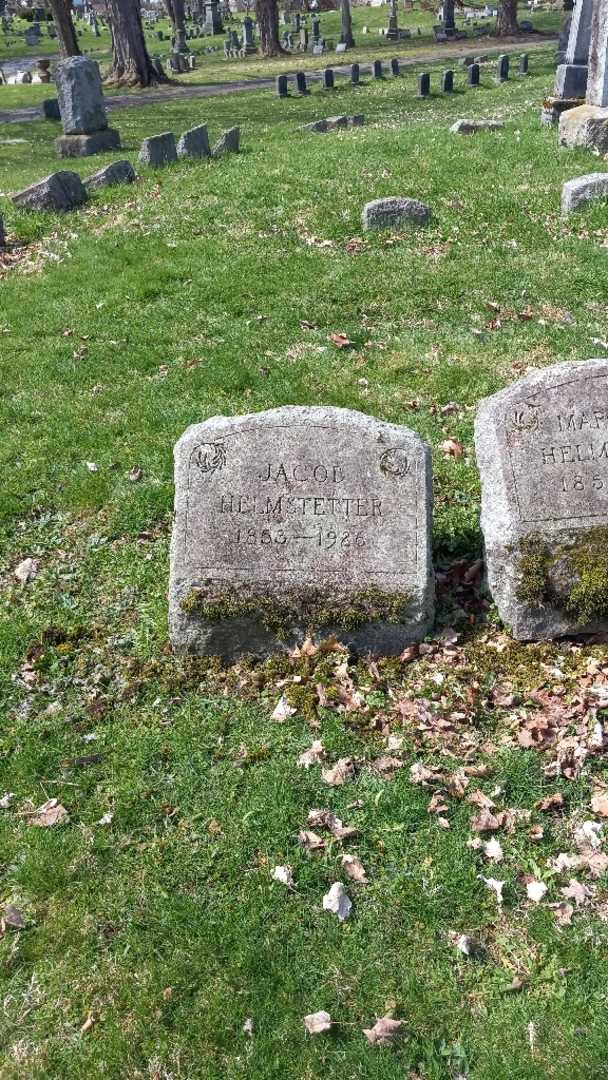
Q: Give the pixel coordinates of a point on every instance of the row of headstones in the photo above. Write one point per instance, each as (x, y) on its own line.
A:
(320, 520)
(424, 79)
(65, 190)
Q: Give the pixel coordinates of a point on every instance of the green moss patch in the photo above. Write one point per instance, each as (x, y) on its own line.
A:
(572, 575)
(312, 610)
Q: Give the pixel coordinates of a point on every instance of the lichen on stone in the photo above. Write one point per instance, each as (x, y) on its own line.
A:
(313, 610)
(571, 574)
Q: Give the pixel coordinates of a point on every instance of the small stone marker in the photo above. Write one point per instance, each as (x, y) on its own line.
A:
(83, 111)
(336, 122)
(502, 72)
(328, 79)
(584, 189)
(523, 64)
(158, 150)
(469, 127)
(424, 84)
(301, 82)
(341, 47)
(315, 125)
(49, 109)
(377, 71)
(228, 142)
(119, 172)
(300, 521)
(395, 69)
(542, 451)
(473, 74)
(59, 191)
(194, 143)
(281, 85)
(447, 82)
(394, 212)
(354, 74)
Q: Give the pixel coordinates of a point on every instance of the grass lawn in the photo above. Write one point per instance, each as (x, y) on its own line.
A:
(152, 927)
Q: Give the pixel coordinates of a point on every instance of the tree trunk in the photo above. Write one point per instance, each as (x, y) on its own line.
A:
(66, 34)
(177, 14)
(346, 21)
(267, 12)
(506, 23)
(130, 60)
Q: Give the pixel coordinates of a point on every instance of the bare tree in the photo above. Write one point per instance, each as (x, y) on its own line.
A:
(66, 33)
(506, 23)
(346, 22)
(131, 64)
(177, 14)
(267, 12)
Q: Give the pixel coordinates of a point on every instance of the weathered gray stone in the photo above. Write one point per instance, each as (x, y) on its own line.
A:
(584, 189)
(585, 126)
(357, 120)
(59, 191)
(469, 127)
(228, 142)
(80, 96)
(194, 143)
(597, 77)
(98, 142)
(315, 125)
(336, 122)
(314, 520)
(542, 451)
(394, 212)
(119, 172)
(158, 150)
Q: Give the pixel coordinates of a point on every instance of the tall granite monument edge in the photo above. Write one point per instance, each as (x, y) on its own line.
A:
(315, 518)
(542, 452)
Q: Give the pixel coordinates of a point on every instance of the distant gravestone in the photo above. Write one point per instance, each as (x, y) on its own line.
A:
(377, 71)
(301, 82)
(194, 143)
(447, 82)
(354, 74)
(542, 451)
(424, 84)
(473, 75)
(300, 521)
(395, 69)
(524, 64)
(59, 191)
(281, 85)
(82, 108)
(502, 69)
(158, 150)
(394, 212)
(228, 142)
(119, 172)
(328, 79)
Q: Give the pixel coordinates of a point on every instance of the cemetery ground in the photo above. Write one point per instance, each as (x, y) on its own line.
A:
(215, 67)
(146, 800)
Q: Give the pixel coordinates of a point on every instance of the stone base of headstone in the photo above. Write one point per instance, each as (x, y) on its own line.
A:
(554, 107)
(586, 126)
(584, 189)
(296, 523)
(541, 450)
(71, 146)
(571, 81)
